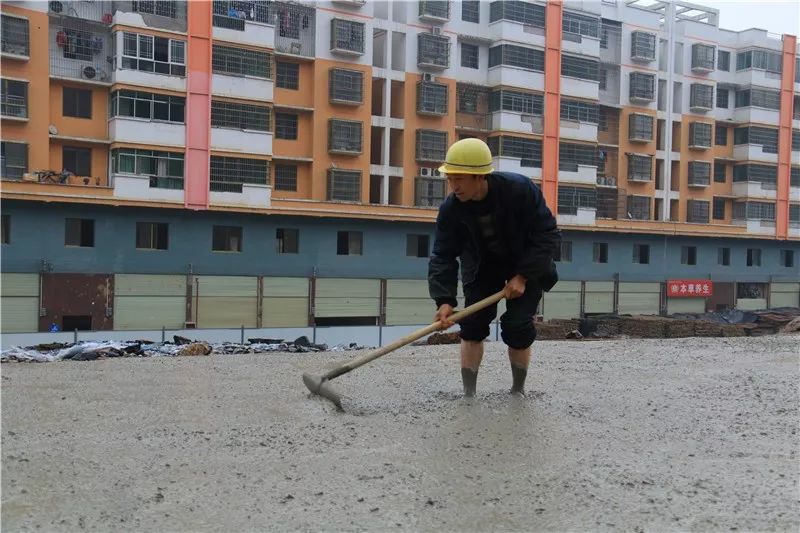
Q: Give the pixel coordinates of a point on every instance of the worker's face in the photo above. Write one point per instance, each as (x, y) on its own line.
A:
(465, 186)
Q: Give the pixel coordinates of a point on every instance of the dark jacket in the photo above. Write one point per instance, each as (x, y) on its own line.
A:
(525, 223)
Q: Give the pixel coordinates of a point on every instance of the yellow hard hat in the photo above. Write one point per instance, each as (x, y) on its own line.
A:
(468, 156)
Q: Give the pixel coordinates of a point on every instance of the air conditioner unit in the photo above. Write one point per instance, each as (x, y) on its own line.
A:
(428, 77)
(435, 172)
(89, 72)
(425, 172)
(436, 30)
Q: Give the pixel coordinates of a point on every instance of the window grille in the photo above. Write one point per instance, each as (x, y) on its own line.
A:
(571, 155)
(285, 177)
(643, 46)
(529, 151)
(431, 145)
(640, 127)
(580, 111)
(718, 208)
(148, 106)
(642, 86)
(439, 9)
(431, 98)
(697, 211)
(769, 60)
(754, 211)
(433, 50)
(517, 11)
(151, 235)
(766, 175)
(78, 44)
(14, 98)
(700, 135)
(720, 135)
(720, 172)
(286, 126)
(164, 168)
(287, 240)
(346, 86)
(162, 8)
(14, 160)
(240, 116)
(724, 60)
(519, 102)
(701, 96)
(233, 61)
(226, 238)
(767, 138)
(640, 167)
(470, 10)
(429, 192)
(722, 98)
(471, 99)
(347, 35)
(699, 173)
(795, 140)
(228, 174)
(794, 213)
(15, 36)
(344, 136)
(233, 14)
(344, 185)
(579, 67)
(153, 54)
(757, 97)
(571, 198)
(469, 55)
(516, 56)
(794, 177)
(703, 56)
(580, 24)
(287, 75)
(638, 207)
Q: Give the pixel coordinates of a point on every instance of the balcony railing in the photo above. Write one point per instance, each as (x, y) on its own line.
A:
(295, 28)
(81, 51)
(232, 15)
(87, 10)
(164, 182)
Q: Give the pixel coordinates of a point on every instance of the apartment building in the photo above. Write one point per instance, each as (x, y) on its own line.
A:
(273, 164)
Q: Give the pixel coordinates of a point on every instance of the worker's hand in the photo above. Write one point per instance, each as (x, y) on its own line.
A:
(443, 316)
(515, 287)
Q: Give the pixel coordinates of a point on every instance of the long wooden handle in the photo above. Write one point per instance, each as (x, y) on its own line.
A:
(411, 337)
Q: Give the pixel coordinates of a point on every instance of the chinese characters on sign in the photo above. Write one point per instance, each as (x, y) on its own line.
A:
(689, 288)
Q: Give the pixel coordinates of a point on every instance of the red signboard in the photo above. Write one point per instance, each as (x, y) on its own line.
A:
(689, 288)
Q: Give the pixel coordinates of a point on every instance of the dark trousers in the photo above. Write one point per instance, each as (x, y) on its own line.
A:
(516, 324)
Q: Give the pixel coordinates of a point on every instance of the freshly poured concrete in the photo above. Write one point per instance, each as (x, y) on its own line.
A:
(684, 434)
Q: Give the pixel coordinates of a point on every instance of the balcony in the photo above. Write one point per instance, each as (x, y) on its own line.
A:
(158, 15)
(474, 121)
(251, 195)
(580, 44)
(584, 216)
(580, 88)
(242, 87)
(756, 226)
(586, 174)
(512, 121)
(95, 11)
(756, 115)
(254, 27)
(433, 51)
(347, 37)
(515, 164)
(434, 11)
(755, 190)
(295, 30)
(753, 152)
(515, 77)
(133, 130)
(757, 78)
(241, 141)
(151, 188)
(512, 31)
(84, 54)
(582, 131)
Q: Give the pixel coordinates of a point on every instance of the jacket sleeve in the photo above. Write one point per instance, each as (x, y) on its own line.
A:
(542, 241)
(443, 264)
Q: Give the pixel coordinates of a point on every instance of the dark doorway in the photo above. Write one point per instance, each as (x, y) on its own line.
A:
(79, 322)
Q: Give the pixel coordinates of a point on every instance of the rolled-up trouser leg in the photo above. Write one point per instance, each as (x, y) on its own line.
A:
(476, 326)
(516, 323)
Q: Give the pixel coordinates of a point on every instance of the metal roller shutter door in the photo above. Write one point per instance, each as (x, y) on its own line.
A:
(20, 303)
(686, 305)
(563, 301)
(284, 303)
(337, 297)
(751, 304)
(227, 301)
(784, 294)
(599, 297)
(145, 301)
(639, 298)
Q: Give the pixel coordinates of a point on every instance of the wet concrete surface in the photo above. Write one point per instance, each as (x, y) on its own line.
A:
(667, 435)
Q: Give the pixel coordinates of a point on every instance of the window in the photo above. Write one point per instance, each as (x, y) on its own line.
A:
(720, 135)
(433, 50)
(287, 240)
(643, 46)
(703, 57)
(642, 86)
(570, 199)
(431, 98)
(77, 160)
(756, 97)
(640, 127)
(286, 126)
(345, 86)
(14, 98)
(151, 236)
(519, 102)
(754, 211)
(469, 55)
(699, 135)
(153, 54)
(640, 167)
(722, 97)
(434, 8)
(233, 61)
(641, 254)
(579, 67)
(14, 160)
(517, 11)
(723, 60)
(229, 174)
(15, 38)
(349, 243)
(794, 177)
(226, 239)
(78, 44)
(6, 229)
(701, 96)
(165, 169)
(162, 8)
(580, 24)
(697, 211)
(79, 232)
(470, 11)
(232, 15)
(240, 116)
(344, 185)
(285, 177)
(766, 137)
(787, 258)
(600, 252)
(429, 192)
(566, 252)
(431, 145)
(720, 172)
(688, 255)
(347, 35)
(753, 257)
(287, 75)
(639, 207)
(76, 103)
(769, 60)
(719, 208)
(147, 106)
(516, 56)
(699, 173)
(571, 155)
(528, 151)
(344, 136)
(580, 111)
(417, 245)
(724, 256)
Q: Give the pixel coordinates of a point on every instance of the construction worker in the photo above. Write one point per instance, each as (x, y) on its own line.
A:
(498, 225)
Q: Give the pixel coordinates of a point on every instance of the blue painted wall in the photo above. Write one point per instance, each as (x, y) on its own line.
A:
(37, 233)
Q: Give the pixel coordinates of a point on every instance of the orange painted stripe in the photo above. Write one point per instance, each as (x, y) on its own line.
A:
(198, 106)
(552, 102)
(785, 137)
